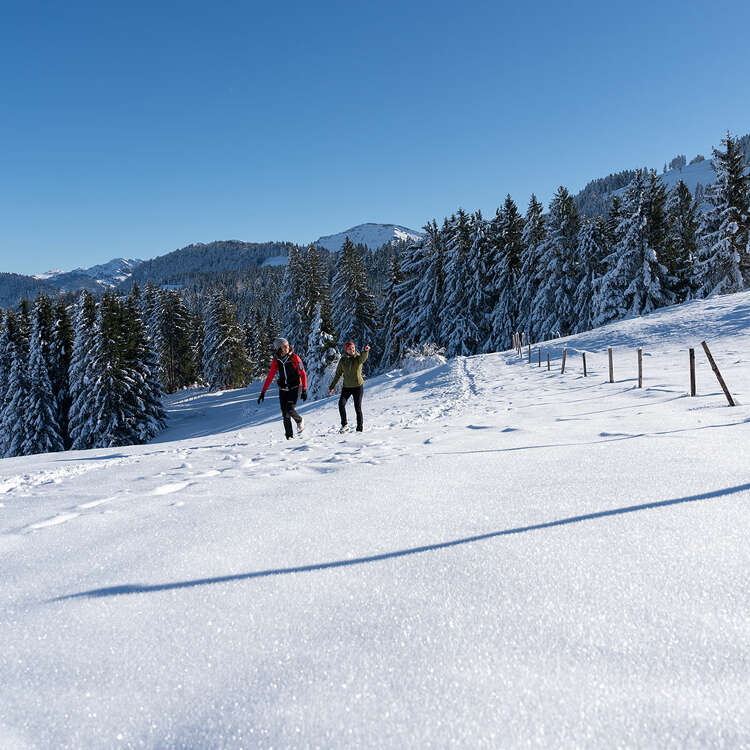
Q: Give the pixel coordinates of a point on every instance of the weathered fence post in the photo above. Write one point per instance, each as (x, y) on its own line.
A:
(718, 374)
(640, 368)
(692, 372)
(611, 366)
(539, 350)
(565, 356)
(548, 367)
(529, 345)
(585, 374)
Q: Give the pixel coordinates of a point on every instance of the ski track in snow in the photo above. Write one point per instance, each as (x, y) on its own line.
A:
(507, 556)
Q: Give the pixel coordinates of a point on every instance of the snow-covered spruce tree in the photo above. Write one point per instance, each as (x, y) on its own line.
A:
(507, 232)
(8, 335)
(145, 409)
(643, 278)
(682, 241)
(172, 342)
(458, 330)
(724, 255)
(534, 232)
(81, 423)
(316, 298)
(391, 343)
(478, 300)
(40, 409)
(111, 384)
(559, 280)
(592, 251)
(608, 299)
(322, 355)
(15, 426)
(419, 297)
(295, 324)
(354, 307)
(61, 353)
(225, 361)
(197, 336)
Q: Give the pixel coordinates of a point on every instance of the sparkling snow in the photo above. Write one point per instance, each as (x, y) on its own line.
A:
(506, 557)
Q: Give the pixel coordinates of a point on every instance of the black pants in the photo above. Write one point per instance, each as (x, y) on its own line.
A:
(288, 399)
(356, 393)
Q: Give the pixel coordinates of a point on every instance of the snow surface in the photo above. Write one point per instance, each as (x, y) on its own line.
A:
(506, 557)
(276, 260)
(372, 235)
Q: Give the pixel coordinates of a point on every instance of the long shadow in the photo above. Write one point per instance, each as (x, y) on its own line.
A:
(143, 589)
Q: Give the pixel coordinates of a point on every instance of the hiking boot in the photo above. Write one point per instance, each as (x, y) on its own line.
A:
(301, 426)
(359, 428)
(344, 428)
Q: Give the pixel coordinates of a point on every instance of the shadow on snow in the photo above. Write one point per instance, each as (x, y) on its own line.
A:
(145, 589)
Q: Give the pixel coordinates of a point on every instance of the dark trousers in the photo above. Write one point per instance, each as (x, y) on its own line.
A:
(288, 399)
(356, 393)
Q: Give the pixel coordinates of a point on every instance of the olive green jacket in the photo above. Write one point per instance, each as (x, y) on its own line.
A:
(351, 369)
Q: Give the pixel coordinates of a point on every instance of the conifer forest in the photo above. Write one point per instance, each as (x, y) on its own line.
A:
(85, 372)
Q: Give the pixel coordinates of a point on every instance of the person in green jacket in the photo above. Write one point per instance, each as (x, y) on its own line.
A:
(350, 367)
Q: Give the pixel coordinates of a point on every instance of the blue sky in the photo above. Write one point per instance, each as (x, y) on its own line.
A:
(131, 129)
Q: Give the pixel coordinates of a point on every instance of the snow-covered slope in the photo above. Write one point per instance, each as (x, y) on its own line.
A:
(95, 278)
(507, 556)
(372, 235)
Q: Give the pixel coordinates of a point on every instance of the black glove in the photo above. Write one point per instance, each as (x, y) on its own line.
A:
(303, 395)
(261, 397)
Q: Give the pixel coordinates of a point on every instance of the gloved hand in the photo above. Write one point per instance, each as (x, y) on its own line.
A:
(261, 397)
(303, 395)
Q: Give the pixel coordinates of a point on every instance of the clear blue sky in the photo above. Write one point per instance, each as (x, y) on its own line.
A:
(134, 128)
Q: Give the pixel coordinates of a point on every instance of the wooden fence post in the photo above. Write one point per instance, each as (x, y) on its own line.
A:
(585, 374)
(529, 345)
(640, 368)
(548, 367)
(718, 374)
(540, 355)
(565, 356)
(611, 366)
(692, 372)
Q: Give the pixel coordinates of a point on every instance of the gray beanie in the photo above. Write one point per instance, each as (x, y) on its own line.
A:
(279, 342)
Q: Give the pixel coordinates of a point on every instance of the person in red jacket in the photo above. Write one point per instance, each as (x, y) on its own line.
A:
(292, 382)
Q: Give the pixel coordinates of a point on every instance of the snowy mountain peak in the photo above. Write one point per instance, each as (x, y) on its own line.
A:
(370, 234)
(103, 275)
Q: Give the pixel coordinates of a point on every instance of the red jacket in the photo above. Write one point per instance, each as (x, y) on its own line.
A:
(291, 373)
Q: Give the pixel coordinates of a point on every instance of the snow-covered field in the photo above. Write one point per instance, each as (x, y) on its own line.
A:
(506, 557)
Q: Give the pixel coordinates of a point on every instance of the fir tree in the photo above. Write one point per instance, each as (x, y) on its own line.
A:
(558, 265)
(592, 250)
(459, 331)
(507, 230)
(637, 282)
(81, 423)
(354, 308)
(724, 260)
(295, 320)
(391, 344)
(40, 410)
(530, 277)
(61, 352)
(322, 355)
(682, 241)
(225, 360)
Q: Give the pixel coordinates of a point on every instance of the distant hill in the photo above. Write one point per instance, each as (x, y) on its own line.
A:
(594, 199)
(229, 255)
(94, 279)
(372, 235)
(15, 286)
